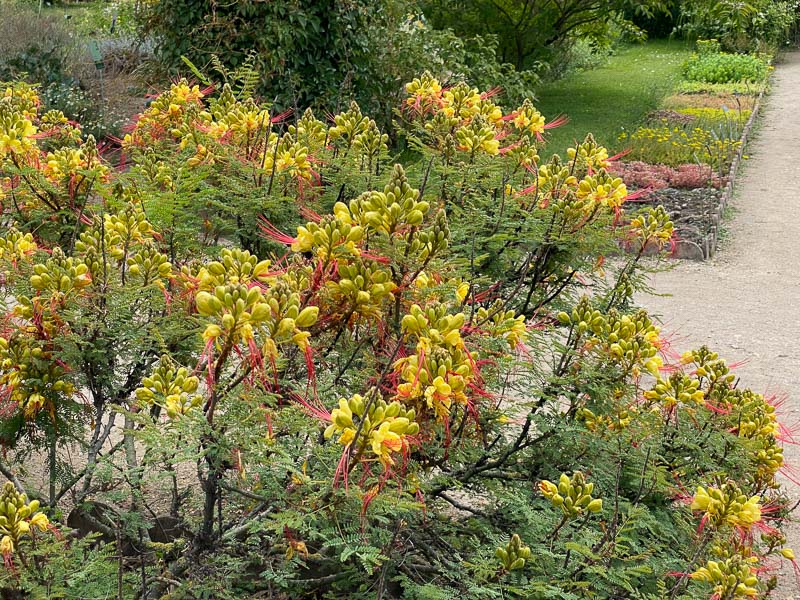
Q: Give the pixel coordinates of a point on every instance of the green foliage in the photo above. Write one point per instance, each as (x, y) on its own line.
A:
(720, 67)
(325, 54)
(533, 35)
(754, 25)
(80, 568)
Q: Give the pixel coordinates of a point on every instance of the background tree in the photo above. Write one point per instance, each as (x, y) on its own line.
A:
(530, 30)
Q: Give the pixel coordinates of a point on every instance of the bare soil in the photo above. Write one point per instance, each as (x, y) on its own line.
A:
(745, 303)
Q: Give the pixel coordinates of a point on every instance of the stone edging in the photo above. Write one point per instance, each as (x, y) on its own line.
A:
(703, 251)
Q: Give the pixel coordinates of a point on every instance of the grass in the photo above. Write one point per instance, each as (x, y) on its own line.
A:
(615, 97)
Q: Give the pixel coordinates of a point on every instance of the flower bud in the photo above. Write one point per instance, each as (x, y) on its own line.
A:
(307, 317)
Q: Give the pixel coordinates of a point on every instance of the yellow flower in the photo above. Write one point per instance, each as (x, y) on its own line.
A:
(548, 489)
(301, 339)
(384, 442)
(701, 500)
(6, 545)
(304, 240)
(348, 435)
(749, 513)
(211, 332)
(491, 147)
(461, 291)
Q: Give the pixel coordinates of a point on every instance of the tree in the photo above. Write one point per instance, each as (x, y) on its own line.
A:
(530, 31)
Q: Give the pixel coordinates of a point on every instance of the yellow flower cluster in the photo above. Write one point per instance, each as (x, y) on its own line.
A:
(677, 145)
(469, 120)
(747, 414)
(708, 367)
(733, 578)
(632, 341)
(69, 163)
(171, 388)
(652, 227)
(385, 428)
(23, 97)
(603, 189)
(34, 380)
(362, 287)
(589, 155)
(15, 245)
(16, 130)
(60, 276)
(333, 237)
(574, 199)
(215, 128)
(573, 495)
(478, 135)
(18, 518)
(167, 113)
(727, 506)
(423, 92)
(126, 237)
(514, 555)
(502, 324)
(528, 119)
(752, 417)
(676, 389)
(615, 422)
(384, 214)
(438, 373)
(234, 267)
(234, 311)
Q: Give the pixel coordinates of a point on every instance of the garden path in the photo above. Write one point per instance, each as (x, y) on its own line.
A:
(745, 303)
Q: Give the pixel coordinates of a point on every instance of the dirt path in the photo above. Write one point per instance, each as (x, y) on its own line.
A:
(746, 303)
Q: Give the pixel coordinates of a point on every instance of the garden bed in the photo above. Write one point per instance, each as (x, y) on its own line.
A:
(697, 214)
(687, 155)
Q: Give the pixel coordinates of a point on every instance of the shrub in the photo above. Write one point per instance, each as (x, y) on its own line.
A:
(725, 68)
(751, 26)
(333, 53)
(706, 135)
(678, 145)
(434, 388)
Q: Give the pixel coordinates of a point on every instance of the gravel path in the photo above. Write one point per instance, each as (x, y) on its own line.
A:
(745, 303)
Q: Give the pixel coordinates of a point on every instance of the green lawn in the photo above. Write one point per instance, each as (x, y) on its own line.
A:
(605, 100)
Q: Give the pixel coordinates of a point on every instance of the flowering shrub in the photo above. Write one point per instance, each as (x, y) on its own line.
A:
(675, 145)
(382, 400)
